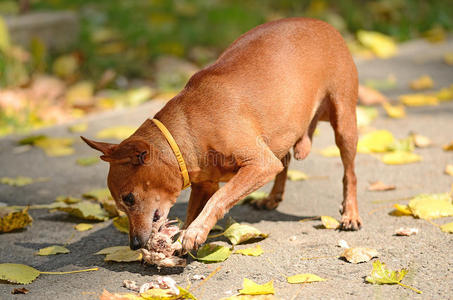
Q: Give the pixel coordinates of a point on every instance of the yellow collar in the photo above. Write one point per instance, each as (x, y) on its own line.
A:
(171, 141)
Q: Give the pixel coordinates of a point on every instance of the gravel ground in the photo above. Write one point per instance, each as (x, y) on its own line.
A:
(428, 255)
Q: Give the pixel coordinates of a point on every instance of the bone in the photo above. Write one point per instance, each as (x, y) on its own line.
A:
(160, 249)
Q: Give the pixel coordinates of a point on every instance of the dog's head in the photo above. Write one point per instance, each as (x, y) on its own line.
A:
(143, 184)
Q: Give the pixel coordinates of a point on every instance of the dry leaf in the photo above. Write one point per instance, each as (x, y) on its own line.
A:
(381, 84)
(420, 141)
(116, 132)
(448, 147)
(448, 228)
(12, 219)
(366, 115)
(331, 151)
(401, 210)
(121, 254)
(68, 199)
(304, 278)
(369, 96)
(17, 273)
(106, 295)
(422, 83)
(394, 111)
(52, 250)
(418, 100)
(375, 141)
(431, 206)
(380, 186)
(55, 146)
(329, 222)
(406, 231)
(239, 233)
(18, 181)
(295, 175)
(448, 58)
(80, 94)
(213, 253)
(400, 158)
(253, 197)
(449, 170)
(357, 255)
(85, 210)
(251, 288)
(380, 44)
(113, 249)
(122, 224)
(445, 94)
(83, 227)
(88, 161)
(78, 128)
(17, 291)
(253, 251)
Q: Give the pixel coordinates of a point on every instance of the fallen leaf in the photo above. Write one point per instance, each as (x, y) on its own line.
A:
(381, 275)
(366, 115)
(18, 181)
(387, 83)
(448, 147)
(422, 83)
(110, 250)
(394, 111)
(401, 210)
(85, 210)
(420, 141)
(436, 34)
(400, 158)
(213, 253)
(369, 96)
(331, 151)
(380, 186)
(117, 132)
(329, 222)
(304, 278)
(68, 199)
(157, 293)
(17, 291)
(449, 170)
(31, 139)
(357, 255)
(88, 161)
(83, 227)
(251, 288)
(78, 128)
(448, 58)
(12, 219)
(418, 100)
(17, 273)
(295, 175)
(380, 44)
(55, 146)
(122, 224)
(402, 145)
(252, 251)
(431, 206)
(406, 231)
(375, 141)
(65, 66)
(52, 250)
(448, 228)
(121, 254)
(106, 295)
(239, 233)
(252, 197)
(80, 94)
(252, 297)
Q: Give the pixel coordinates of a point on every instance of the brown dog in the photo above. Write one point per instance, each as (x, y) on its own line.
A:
(236, 121)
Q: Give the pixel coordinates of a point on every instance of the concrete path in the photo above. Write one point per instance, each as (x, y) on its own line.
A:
(428, 255)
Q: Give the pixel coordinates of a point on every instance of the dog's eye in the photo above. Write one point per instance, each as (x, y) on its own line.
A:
(129, 199)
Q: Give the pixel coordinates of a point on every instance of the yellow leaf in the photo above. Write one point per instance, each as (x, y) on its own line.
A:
(251, 288)
(431, 206)
(252, 251)
(85, 210)
(124, 255)
(239, 233)
(17, 273)
(420, 141)
(436, 34)
(106, 295)
(448, 228)
(304, 278)
(422, 83)
(56, 146)
(65, 66)
(68, 199)
(445, 94)
(400, 158)
(448, 147)
(366, 115)
(18, 181)
(295, 175)
(376, 141)
(401, 210)
(213, 253)
(329, 222)
(382, 45)
(394, 111)
(12, 219)
(98, 194)
(448, 58)
(110, 250)
(331, 151)
(359, 254)
(87, 161)
(77, 128)
(449, 170)
(52, 250)
(5, 42)
(156, 293)
(117, 132)
(122, 224)
(418, 100)
(83, 227)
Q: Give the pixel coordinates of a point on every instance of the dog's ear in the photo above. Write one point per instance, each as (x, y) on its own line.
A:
(134, 150)
(106, 148)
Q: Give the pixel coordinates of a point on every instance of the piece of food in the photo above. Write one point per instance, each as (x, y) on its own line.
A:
(160, 248)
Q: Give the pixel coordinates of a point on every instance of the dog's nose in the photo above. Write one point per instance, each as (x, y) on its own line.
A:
(135, 243)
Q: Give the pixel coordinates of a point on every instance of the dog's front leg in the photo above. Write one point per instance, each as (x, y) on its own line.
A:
(253, 174)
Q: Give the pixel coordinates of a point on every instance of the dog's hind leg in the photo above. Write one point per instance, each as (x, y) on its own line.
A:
(278, 189)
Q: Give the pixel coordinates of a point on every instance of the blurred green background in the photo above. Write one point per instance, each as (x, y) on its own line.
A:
(129, 51)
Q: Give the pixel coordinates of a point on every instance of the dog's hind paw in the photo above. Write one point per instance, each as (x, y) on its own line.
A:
(270, 202)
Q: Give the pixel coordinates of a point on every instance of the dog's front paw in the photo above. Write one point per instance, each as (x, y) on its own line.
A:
(193, 237)
(350, 222)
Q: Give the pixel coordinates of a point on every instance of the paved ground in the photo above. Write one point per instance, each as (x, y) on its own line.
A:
(428, 255)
